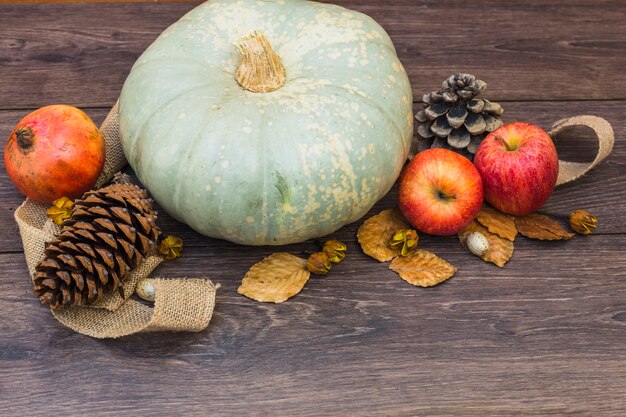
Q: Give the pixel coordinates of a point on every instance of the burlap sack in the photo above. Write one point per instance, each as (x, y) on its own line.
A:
(184, 304)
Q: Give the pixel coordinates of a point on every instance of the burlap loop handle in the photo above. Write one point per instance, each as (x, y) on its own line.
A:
(183, 304)
(570, 171)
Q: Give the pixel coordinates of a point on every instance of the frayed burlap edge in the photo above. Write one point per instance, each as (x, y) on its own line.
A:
(182, 304)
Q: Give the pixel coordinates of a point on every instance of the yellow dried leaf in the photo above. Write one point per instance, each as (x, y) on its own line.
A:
(171, 247)
(500, 249)
(275, 279)
(60, 210)
(422, 268)
(376, 232)
(538, 226)
(497, 222)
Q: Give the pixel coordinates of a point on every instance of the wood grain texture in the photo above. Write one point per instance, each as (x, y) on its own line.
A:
(544, 336)
(527, 50)
(362, 342)
(94, 1)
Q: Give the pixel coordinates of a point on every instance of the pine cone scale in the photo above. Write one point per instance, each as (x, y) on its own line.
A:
(476, 106)
(122, 214)
(66, 246)
(128, 249)
(104, 257)
(459, 139)
(491, 122)
(475, 124)
(122, 266)
(456, 116)
(84, 234)
(86, 249)
(441, 128)
(137, 258)
(106, 224)
(128, 231)
(107, 238)
(437, 110)
(97, 211)
(143, 223)
(79, 281)
(424, 130)
(65, 277)
(52, 283)
(144, 243)
(493, 108)
(49, 264)
(66, 296)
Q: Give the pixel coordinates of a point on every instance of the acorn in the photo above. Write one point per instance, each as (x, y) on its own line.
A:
(477, 243)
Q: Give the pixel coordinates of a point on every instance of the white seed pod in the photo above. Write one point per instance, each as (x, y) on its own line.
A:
(477, 243)
(145, 290)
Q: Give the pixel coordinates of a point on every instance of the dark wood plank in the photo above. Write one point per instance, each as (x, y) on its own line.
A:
(602, 192)
(526, 50)
(360, 342)
(94, 1)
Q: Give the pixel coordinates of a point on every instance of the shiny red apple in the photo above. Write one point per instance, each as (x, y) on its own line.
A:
(519, 167)
(440, 192)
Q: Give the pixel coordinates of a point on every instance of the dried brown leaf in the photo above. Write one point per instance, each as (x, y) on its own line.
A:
(275, 279)
(539, 226)
(500, 249)
(497, 222)
(376, 232)
(422, 268)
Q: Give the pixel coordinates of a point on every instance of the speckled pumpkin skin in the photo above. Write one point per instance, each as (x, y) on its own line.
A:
(268, 168)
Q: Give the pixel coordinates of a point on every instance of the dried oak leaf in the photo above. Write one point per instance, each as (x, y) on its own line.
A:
(539, 226)
(275, 279)
(422, 268)
(500, 249)
(497, 222)
(376, 232)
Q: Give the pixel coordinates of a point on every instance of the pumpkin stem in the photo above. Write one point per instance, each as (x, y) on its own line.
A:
(261, 70)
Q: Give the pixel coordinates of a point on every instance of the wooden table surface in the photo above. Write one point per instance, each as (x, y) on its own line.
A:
(546, 335)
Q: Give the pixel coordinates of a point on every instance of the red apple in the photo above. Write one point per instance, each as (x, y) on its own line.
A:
(519, 166)
(440, 192)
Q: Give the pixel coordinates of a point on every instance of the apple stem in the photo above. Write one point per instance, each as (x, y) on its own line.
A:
(505, 143)
(445, 196)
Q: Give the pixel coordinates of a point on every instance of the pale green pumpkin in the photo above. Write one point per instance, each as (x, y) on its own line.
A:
(268, 167)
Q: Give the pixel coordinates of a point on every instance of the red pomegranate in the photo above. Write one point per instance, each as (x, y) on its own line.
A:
(56, 151)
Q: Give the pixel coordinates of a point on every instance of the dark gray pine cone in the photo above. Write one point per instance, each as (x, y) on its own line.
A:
(455, 118)
(109, 233)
